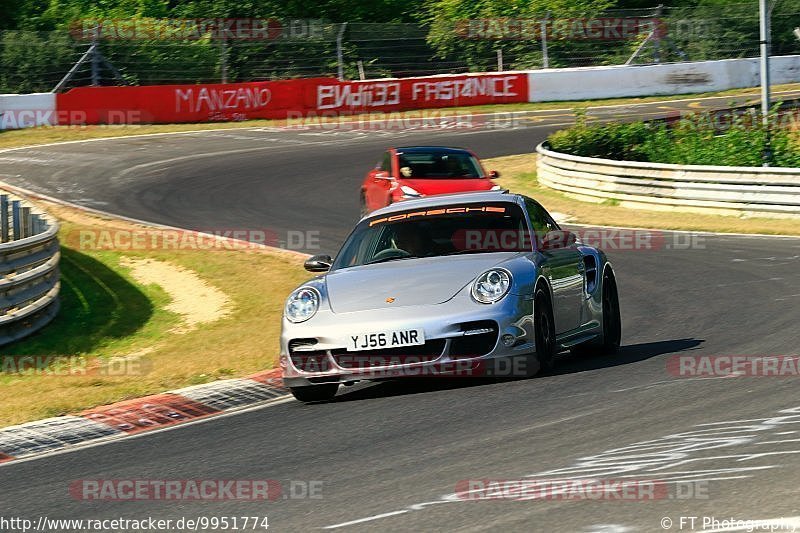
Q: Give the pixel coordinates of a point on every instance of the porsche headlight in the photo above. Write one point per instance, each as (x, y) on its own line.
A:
(302, 304)
(491, 286)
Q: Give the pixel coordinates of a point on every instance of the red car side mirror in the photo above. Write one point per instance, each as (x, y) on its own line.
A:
(493, 174)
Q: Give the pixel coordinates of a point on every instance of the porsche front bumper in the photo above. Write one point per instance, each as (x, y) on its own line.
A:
(462, 338)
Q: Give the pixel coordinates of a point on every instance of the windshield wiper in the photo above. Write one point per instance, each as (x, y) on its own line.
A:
(385, 259)
(464, 252)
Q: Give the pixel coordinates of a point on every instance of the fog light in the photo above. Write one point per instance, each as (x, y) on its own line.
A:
(508, 340)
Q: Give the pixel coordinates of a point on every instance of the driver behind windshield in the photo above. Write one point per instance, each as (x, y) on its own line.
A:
(473, 228)
(414, 239)
(453, 166)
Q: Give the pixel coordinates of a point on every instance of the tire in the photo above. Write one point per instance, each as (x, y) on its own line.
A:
(315, 393)
(545, 330)
(612, 324)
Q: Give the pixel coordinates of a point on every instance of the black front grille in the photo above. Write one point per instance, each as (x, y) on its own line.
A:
(423, 353)
(475, 345)
(308, 360)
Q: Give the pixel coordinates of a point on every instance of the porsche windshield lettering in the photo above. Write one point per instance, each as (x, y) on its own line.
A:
(436, 232)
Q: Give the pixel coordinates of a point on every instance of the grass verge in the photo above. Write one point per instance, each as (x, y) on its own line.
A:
(519, 175)
(107, 314)
(51, 134)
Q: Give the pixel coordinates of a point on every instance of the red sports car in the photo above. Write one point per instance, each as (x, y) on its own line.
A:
(416, 171)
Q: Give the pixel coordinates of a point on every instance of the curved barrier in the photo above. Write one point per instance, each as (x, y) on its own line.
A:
(29, 275)
(750, 191)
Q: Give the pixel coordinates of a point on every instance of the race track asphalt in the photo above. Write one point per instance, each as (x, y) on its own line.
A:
(389, 454)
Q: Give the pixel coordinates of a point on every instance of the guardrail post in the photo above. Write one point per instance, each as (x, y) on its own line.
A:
(36, 226)
(4, 218)
(26, 222)
(16, 219)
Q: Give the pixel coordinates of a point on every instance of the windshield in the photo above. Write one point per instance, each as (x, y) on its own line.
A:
(438, 165)
(414, 234)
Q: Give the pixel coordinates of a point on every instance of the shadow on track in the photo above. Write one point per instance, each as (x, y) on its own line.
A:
(567, 364)
(632, 353)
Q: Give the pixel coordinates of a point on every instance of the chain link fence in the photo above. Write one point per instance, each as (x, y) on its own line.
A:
(39, 61)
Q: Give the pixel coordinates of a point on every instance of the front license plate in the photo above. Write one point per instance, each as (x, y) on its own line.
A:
(385, 339)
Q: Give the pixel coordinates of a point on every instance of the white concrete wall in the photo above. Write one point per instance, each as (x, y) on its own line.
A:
(27, 110)
(650, 80)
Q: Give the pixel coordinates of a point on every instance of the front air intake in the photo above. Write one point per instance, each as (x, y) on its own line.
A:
(478, 338)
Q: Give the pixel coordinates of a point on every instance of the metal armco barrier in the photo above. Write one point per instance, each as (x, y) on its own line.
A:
(29, 275)
(749, 191)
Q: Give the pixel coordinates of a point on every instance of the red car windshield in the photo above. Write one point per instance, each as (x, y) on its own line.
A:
(438, 165)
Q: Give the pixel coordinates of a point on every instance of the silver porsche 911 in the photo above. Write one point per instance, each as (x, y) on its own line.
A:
(471, 284)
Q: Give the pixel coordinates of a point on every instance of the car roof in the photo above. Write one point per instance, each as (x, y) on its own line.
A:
(441, 200)
(432, 149)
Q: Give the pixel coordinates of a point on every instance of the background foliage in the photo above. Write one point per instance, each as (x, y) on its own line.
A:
(693, 140)
(36, 50)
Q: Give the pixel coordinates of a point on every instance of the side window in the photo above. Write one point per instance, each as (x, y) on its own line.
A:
(386, 163)
(542, 222)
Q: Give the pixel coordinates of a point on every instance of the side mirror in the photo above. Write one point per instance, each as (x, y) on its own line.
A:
(555, 240)
(318, 263)
(493, 174)
(382, 175)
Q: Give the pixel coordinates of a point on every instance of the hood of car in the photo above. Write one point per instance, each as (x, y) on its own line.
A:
(447, 185)
(406, 282)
